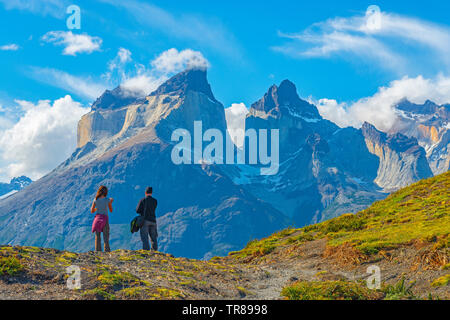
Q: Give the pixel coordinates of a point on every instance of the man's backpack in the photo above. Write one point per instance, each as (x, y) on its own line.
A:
(136, 224)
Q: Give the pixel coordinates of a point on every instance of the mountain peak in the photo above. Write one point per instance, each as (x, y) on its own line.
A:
(429, 107)
(113, 99)
(287, 91)
(183, 82)
(370, 132)
(285, 97)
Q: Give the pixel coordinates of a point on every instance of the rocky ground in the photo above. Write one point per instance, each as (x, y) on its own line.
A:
(35, 273)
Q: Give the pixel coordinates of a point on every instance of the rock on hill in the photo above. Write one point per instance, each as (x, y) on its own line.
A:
(429, 123)
(402, 160)
(406, 236)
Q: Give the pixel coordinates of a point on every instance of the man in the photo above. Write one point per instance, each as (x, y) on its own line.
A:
(146, 208)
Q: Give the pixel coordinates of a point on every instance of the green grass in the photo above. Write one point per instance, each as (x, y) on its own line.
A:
(442, 281)
(418, 212)
(66, 258)
(135, 292)
(399, 291)
(259, 248)
(116, 279)
(10, 266)
(99, 293)
(164, 293)
(329, 290)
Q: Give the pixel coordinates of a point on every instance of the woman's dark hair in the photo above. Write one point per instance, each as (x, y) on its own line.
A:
(102, 191)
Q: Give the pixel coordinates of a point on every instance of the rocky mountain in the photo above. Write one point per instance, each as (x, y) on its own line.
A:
(429, 123)
(15, 185)
(402, 160)
(202, 212)
(207, 209)
(325, 170)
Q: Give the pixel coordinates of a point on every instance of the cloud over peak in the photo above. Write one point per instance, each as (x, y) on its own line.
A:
(73, 43)
(172, 60)
(379, 108)
(140, 80)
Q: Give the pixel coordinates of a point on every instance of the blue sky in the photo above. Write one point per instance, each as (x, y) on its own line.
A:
(248, 45)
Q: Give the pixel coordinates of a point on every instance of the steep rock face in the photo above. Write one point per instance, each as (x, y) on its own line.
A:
(402, 160)
(184, 82)
(114, 99)
(201, 211)
(439, 155)
(183, 99)
(429, 123)
(281, 108)
(106, 117)
(282, 100)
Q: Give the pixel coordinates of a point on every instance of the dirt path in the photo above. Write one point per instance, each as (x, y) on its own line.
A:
(274, 279)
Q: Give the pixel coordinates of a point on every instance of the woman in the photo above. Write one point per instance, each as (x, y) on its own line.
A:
(101, 205)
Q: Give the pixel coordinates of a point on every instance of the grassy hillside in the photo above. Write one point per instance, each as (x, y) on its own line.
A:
(420, 213)
(406, 235)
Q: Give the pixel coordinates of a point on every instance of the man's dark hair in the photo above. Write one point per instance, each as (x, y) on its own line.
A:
(149, 190)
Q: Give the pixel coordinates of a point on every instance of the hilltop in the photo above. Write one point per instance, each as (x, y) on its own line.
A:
(405, 235)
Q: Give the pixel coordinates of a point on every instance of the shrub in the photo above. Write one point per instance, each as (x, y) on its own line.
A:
(10, 266)
(399, 291)
(329, 290)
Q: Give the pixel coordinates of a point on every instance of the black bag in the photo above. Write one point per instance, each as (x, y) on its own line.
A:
(136, 224)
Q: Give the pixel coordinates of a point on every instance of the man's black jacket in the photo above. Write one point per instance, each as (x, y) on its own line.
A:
(147, 207)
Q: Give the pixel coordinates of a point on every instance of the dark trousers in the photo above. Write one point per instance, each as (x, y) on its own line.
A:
(98, 239)
(149, 229)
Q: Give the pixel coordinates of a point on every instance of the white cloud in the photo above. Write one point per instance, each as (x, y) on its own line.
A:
(235, 116)
(141, 85)
(84, 87)
(5, 123)
(73, 43)
(392, 41)
(9, 47)
(173, 60)
(118, 64)
(140, 81)
(378, 109)
(43, 137)
(207, 32)
(135, 78)
(54, 8)
(124, 55)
